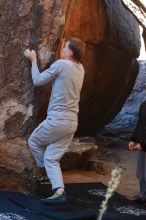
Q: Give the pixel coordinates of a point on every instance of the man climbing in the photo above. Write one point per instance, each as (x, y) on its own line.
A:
(57, 130)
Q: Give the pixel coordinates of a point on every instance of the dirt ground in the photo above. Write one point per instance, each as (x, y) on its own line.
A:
(108, 158)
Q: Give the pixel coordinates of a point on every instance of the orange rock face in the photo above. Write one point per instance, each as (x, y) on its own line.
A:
(112, 44)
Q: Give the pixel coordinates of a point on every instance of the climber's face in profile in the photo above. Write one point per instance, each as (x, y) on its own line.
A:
(67, 53)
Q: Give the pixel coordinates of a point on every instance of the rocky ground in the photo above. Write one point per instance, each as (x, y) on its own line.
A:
(100, 166)
(104, 156)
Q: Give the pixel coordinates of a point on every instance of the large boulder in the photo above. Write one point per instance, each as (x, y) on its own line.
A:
(112, 41)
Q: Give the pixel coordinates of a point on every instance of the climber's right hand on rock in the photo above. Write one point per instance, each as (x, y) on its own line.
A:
(31, 55)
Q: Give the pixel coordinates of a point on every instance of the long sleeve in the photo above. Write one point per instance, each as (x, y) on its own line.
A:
(143, 146)
(135, 138)
(139, 134)
(46, 76)
(134, 134)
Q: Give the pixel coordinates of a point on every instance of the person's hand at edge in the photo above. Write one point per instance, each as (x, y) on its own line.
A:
(131, 145)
